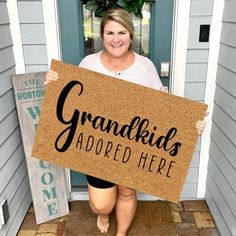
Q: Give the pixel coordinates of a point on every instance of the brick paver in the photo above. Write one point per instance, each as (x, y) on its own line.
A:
(192, 218)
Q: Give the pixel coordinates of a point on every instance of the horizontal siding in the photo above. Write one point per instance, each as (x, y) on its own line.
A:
(196, 72)
(10, 168)
(224, 144)
(8, 62)
(195, 160)
(226, 123)
(229, 11)
(227, 57)
(35, 54)
(5, 33)
(226, 80)
(198, 145)
(5, 81)
(197, 56)
(225, 101)
(224, 166)
(4, 19)
(211, 199)
(195, 91)
(15, 204)
(16, 181)
(192, 176)
(8, 125)
(189, 191)
(20, 214)
(219, 197)
(228, 34)
(9, 146)
(7, 103)
(201, 8)
(221, 188)
(33, 36)
(36, 68)
(30, 12)
(15, 187)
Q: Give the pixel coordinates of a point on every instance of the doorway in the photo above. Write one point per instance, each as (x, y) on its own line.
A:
(153, 38)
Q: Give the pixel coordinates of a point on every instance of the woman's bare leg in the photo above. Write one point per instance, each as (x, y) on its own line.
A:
(102, 201)
(126, 205)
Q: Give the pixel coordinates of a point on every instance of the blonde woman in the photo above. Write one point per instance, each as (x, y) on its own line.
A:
(117, 60)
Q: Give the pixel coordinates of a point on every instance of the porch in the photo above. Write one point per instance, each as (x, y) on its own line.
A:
(152, 218)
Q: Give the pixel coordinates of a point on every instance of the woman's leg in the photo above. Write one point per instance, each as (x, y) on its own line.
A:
(126, 205)
(102, 201)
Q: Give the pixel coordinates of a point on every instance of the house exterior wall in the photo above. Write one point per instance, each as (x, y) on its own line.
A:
(14, 183)
(220, 194)
(195, 80)
(221, 187)
(33, 35)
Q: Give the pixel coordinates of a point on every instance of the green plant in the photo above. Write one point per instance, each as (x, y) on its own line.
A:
(101, 6)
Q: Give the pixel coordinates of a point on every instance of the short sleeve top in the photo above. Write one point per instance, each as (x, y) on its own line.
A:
(142, 71)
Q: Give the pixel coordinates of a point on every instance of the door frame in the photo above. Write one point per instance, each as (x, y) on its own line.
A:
(178, 58)
(181, 13)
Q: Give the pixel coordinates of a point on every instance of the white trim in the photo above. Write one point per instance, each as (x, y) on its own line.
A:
(179, 46)
(214, 47)
(79, 195)
(51, 25)
(12, 8)
(83, 195)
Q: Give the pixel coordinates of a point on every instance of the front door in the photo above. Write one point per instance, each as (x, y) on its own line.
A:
(79, 31)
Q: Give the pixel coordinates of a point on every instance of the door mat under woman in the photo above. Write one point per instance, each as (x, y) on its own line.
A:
(152, 218)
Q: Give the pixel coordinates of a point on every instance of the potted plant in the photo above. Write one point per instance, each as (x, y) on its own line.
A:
(101, 6)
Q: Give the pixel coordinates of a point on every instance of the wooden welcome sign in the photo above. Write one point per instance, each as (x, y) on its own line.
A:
(47, 181)
(118, 131)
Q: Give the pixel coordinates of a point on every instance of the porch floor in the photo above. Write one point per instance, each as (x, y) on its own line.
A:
(162, 218)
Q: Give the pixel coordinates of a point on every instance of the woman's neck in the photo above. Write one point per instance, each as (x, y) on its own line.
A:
(117, 63)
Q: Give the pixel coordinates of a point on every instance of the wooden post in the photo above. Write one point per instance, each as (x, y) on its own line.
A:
(47, 181)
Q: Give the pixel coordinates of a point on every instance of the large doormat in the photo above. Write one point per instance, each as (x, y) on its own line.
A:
(153, 218)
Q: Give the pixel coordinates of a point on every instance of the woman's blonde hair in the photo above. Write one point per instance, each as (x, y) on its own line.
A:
(120, 16)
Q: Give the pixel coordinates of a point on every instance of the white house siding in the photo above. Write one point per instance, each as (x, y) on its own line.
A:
(33, 35)
(221, 185)
(195, 80)
(14, 183)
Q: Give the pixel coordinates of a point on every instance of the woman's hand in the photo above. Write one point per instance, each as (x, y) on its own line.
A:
(51, 75)
(200, 125)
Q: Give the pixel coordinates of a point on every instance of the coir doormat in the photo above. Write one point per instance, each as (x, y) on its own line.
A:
(152, 218)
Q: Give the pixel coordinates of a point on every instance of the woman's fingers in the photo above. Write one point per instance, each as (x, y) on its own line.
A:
(50, 76)
(200, 126)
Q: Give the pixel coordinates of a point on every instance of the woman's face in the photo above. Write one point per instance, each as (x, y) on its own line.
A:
(116, 39)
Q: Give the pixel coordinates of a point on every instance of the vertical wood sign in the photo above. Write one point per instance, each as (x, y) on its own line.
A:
(47, 181)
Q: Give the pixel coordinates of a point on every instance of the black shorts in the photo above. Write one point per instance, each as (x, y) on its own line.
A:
(99, 183)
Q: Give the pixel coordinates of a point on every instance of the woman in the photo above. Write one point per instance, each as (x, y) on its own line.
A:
(117, 60)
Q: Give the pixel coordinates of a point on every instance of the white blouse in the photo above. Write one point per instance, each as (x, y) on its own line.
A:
(142, 71)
